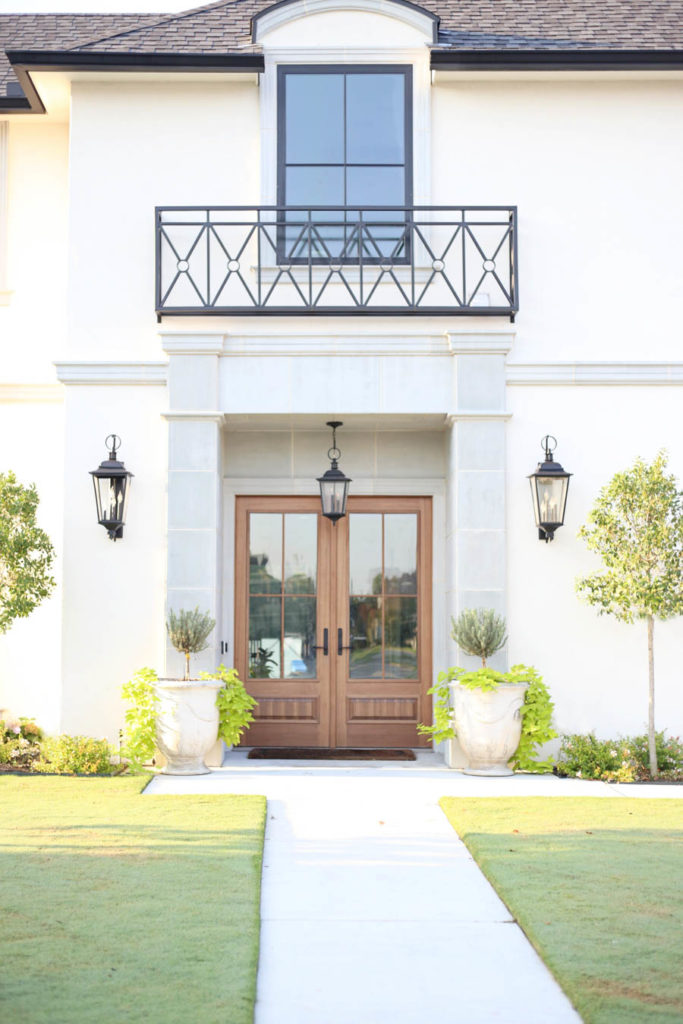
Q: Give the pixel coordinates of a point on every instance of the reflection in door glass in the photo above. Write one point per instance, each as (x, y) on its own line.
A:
(400, 638)
(383, 627)
(264, 637)
(365, 656)
(301, 553)
(400, 554)
(365, 553)
(265, 553)
(299, 638)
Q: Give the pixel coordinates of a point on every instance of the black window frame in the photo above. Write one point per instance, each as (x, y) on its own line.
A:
(366, 69)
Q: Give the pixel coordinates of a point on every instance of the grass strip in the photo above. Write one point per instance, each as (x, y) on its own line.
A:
(596, 885)
(119, 907)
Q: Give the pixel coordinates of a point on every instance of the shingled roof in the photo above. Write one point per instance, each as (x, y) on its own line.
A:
(533, 26)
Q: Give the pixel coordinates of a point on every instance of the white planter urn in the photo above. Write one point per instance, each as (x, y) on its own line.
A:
(488, 725)
(187, 724)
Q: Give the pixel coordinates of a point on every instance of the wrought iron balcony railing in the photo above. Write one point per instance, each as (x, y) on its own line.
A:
(343, 260)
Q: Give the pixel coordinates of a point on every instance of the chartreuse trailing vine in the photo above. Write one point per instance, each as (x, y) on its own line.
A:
(536, 711)
(480, 632)
(234, 705)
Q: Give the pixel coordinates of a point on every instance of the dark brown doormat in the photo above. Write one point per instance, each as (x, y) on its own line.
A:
(318, 754)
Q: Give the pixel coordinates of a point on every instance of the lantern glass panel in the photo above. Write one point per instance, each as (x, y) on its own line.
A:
(550, 498)
(333, 496)
(111, 494)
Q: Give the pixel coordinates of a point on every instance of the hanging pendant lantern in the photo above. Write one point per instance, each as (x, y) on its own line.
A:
(111, 480)
(549, 486)
(334, 485)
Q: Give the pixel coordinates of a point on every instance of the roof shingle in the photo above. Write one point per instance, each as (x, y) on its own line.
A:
(225, 27)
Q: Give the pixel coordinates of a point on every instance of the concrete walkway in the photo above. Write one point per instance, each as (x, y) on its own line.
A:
(373, 911)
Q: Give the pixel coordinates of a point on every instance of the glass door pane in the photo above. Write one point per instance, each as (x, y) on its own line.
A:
(282, 604)
(383, 605)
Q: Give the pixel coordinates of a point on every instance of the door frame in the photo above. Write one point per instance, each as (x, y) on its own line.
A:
(333, 565)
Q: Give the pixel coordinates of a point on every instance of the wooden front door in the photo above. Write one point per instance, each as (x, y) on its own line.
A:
(333, 623)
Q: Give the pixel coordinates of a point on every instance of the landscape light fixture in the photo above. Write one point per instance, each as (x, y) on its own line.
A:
(111, 480)
(334, 485)
(549, 485)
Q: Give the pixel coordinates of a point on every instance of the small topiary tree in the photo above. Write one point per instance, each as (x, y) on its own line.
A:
(188, 632)
(636, 526)
(26, 554)
(479, 632)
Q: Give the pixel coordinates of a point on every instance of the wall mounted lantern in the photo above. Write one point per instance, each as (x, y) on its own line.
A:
(334, 486)
(111, 480)
(549, 485)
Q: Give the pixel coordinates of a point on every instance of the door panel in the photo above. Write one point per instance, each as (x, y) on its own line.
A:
(364, 587)
(383, 597)
(281, 609)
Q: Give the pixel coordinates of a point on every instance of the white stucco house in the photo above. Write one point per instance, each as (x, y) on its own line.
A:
(453, 226)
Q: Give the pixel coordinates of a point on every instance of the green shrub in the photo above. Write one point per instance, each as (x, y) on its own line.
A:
(623, 760)
(669, 755)
(19, 742)
(75, 755)
(585, 757)
(188, 631)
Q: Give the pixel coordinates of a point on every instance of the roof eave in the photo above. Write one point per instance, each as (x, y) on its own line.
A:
(556, 60)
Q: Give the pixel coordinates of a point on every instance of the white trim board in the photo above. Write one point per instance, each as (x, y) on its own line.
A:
(594, 373)
(111, 372)
(11, 393)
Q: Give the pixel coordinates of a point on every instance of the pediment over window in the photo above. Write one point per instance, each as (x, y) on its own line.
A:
(345, 22)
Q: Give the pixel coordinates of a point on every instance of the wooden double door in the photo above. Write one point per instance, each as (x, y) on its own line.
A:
(333, 623)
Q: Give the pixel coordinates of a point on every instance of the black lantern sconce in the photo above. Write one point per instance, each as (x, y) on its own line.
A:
(334, 486)
(111, 480)
(549, 486)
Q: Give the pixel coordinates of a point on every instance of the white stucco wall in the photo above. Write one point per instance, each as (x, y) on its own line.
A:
(135, 146)
(113, 591)
(589, 164)
(595, 666)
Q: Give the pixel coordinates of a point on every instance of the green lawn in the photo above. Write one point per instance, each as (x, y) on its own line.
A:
(122, 907)
(596, 886)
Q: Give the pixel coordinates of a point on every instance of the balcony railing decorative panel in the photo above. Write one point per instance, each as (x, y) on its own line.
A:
(429, 260)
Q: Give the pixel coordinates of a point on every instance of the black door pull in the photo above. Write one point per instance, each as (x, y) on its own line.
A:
(340, 642)
(325, 647)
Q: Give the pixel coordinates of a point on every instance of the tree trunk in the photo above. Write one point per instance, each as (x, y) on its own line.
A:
(187, 665)
(651, 702)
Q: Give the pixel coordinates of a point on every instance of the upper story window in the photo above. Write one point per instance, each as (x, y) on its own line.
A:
(345, 140)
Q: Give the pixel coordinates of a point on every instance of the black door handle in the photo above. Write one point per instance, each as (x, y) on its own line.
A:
(340, 642)
(325, 644)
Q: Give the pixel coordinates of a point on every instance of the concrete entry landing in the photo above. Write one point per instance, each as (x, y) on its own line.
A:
(373, 911)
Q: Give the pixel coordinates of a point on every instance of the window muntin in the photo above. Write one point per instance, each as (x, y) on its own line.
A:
(344, 139)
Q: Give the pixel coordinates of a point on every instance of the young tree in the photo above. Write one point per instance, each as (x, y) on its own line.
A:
(479, 632)
(636, 526)
(26, 554)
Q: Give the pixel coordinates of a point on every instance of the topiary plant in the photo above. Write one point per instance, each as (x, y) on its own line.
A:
(188, 632)
(479, 632)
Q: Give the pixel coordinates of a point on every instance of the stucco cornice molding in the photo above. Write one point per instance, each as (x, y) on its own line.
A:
(111, 372)
(17, 391)
(637, 374)
(479, 414)
(289, 10)
(195, 415)
(336, 345)
(489, 343)
(209, 343)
